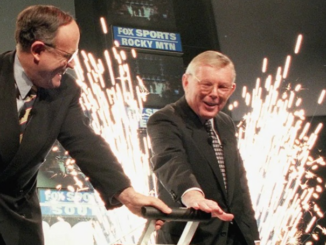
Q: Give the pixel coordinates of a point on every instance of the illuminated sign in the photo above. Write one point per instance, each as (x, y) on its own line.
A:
(148, 39)
(66, 203)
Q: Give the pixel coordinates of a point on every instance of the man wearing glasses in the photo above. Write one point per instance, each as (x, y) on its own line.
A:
(46, 43)
(196, 159)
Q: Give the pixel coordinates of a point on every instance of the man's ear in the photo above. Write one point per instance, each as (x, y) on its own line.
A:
(36, 49)
(185, 81)
(234, 85)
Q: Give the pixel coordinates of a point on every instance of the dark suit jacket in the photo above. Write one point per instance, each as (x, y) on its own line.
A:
(56, 114)
(183, 158)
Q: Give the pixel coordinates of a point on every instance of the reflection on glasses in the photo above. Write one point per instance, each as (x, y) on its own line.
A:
(207, 86)
(68, 56)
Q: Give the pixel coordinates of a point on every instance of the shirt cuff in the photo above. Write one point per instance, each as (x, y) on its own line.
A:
(192, 189)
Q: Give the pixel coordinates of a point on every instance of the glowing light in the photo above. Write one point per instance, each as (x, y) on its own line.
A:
(113, 100)
(322, 96)
(103, 24)
(275, 144)
(287, 66)
(273, 139)
(298, 44)
(265, 62)
(115, 109)
(55, 148)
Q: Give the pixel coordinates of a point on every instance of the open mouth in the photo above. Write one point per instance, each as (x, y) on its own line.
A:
(210, 104)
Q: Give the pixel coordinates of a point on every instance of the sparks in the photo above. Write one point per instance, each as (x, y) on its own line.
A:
(274, 141)
(275, 144)
(115, 107)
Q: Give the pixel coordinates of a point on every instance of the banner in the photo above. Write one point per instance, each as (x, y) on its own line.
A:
(66, 203)
(147, 39)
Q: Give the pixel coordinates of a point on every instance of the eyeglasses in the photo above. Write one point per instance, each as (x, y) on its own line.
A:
(207, 86)
(68, 56)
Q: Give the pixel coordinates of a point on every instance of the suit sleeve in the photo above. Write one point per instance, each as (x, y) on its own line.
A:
(169, 160)
(92, 154)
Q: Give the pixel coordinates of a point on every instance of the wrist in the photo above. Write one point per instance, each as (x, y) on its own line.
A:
(125, 195)
(189, 197)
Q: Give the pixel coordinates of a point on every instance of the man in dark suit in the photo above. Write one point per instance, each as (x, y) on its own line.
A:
(47, 40)
(189, 170)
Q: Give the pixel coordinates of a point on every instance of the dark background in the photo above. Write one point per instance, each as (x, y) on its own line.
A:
(252, 30)
(247, 31)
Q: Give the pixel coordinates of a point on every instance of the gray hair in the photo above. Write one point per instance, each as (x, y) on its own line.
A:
(210, 58)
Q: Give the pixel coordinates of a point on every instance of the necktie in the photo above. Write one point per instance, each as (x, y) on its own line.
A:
(218, 149)
(25, 113)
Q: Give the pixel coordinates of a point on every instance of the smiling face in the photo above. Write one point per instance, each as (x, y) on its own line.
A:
(207, 89)
(52, 62)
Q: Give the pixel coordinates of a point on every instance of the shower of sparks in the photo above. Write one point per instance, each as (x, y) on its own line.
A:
(115, 113)
(275, 144)
(274, 141)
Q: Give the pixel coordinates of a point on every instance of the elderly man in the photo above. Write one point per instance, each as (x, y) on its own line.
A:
(196, 159)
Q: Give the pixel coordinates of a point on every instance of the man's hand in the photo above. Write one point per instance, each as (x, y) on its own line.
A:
(196, 200)
(134, 201)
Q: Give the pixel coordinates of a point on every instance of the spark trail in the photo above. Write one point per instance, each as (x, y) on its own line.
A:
(275, 143)
(114, 106)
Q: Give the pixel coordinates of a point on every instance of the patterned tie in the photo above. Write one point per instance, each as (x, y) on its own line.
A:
(218, 149)
(25, 113)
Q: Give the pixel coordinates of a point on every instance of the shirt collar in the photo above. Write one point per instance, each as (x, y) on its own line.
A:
(24, 84)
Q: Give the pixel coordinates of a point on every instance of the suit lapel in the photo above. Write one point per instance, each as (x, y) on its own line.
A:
(207, 152)
(39, 131)
(201, 138)
(42, 120)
